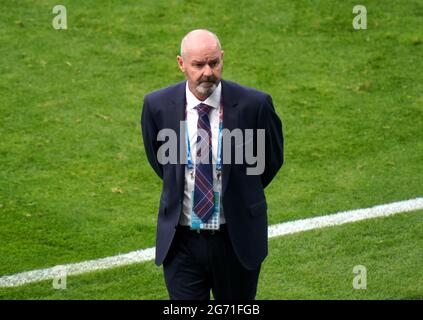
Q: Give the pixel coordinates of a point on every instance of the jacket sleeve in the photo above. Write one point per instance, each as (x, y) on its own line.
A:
(274, 152)
(149, 133)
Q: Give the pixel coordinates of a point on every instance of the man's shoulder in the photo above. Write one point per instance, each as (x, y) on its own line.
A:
(236, 86)
(166, 92)
(228, 87)
(244, 92)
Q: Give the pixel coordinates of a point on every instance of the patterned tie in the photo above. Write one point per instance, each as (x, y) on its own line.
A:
(203, 188)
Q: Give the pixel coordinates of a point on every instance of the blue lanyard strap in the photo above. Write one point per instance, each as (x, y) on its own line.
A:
(219, 143)
(190, 165)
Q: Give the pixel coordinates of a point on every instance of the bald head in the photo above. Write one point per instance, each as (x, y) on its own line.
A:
(201, 61)
(198, 40)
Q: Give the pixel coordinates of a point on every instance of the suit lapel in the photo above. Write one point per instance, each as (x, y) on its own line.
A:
(230, 122)
(178, 105)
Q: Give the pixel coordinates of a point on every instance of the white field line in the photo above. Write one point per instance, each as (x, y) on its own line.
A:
(344, 217)
(274, 231)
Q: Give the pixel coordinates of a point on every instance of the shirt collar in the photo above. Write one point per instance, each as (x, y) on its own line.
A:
(213, 100)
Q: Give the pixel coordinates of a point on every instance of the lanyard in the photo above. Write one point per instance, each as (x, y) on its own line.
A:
(219, 144)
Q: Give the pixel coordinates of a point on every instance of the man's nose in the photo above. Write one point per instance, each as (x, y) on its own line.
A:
(207, 71)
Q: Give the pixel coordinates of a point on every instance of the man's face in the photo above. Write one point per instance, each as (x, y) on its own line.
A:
(202, 65)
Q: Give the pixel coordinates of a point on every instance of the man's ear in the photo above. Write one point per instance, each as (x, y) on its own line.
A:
(181, 63)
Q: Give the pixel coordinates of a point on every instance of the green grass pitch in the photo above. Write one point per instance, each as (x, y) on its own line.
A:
(75, 184)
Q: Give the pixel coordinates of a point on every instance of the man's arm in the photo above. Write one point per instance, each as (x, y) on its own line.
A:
(274, 157)
(149, 133)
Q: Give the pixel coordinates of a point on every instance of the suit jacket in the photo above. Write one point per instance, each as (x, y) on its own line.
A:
(243, 199)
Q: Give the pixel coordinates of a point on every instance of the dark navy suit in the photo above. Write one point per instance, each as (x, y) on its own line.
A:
(243, 197)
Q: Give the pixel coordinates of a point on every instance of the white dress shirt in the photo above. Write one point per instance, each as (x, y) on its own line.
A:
(192, 117)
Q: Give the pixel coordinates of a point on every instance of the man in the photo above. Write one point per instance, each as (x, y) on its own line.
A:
(212, 220)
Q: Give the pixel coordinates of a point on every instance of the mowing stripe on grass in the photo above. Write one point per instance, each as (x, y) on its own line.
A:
(274, 231)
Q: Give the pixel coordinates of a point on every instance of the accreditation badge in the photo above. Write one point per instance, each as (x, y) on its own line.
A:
(213, 223)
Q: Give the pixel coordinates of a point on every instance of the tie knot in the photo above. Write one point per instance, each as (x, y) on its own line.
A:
(203, 109)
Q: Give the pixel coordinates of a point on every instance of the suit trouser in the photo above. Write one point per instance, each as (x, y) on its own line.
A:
(204, 261)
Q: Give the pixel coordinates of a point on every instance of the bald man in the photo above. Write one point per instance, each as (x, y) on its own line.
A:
(212, 219)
